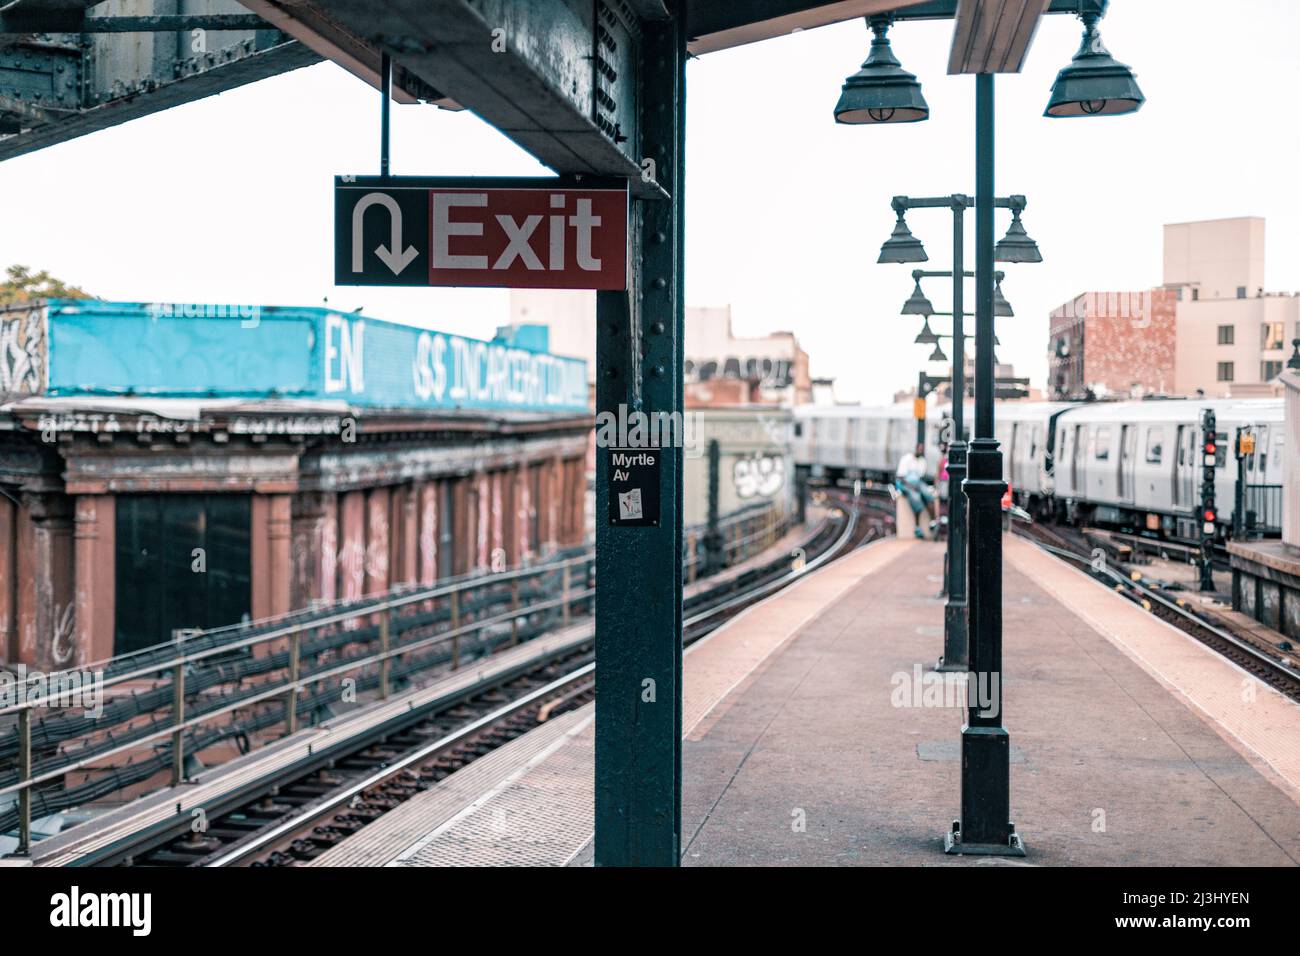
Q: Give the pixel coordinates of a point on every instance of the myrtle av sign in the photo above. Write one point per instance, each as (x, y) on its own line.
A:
(634, 475)
(545, 233)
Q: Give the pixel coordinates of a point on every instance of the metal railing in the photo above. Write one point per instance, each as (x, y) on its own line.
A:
(286, 641)
(742, 534)
(1263, 509)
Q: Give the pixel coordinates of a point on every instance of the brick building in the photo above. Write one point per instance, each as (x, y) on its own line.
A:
(1210, 327)
(1113, 343)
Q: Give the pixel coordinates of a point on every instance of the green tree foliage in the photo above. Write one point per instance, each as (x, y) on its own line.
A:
(23, 285)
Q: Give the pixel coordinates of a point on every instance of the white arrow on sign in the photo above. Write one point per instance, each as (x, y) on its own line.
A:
(391, 257)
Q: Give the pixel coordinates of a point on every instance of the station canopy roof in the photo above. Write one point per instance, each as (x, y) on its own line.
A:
(69, 67)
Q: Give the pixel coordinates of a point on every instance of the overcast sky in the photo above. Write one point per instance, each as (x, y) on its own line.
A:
(229, 199)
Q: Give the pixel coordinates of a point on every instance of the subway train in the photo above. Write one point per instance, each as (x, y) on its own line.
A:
(1133, 465)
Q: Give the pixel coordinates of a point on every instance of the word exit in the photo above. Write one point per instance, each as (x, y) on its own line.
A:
(517, 234)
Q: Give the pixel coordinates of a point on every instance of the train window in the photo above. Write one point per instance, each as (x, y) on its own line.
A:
(1103, 444)
(1155, 445)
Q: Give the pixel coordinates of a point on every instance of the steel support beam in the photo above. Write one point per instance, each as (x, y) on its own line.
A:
(556, 76)
(78, 22)
(108, 97)
(639, 569)
(65, 72)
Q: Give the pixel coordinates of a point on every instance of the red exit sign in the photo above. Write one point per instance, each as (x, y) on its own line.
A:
(501, 233)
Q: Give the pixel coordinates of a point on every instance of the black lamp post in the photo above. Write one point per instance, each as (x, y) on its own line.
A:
(1093, 84)
(902, 246)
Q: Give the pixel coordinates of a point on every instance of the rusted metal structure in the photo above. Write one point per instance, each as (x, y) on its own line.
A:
(126, 516)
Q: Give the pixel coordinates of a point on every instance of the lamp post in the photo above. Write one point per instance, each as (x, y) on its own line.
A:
(903, 247)
(1093, 84)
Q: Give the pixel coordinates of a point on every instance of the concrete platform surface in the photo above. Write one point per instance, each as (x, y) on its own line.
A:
(1132, 745)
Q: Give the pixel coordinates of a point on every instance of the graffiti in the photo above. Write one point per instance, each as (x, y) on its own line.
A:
(22, 352)
(64, 645)
(759, 476)
(450, 370)
(772, 372)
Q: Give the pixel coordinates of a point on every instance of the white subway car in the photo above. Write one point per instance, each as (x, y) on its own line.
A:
(1133, 465)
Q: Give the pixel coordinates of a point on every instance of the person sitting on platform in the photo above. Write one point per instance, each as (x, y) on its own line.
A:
(910, 480)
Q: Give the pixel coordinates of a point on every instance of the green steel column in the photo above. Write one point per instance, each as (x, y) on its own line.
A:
(639, 569)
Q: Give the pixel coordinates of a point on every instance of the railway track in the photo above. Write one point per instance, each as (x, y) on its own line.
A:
(304, 811)
(1277, 671)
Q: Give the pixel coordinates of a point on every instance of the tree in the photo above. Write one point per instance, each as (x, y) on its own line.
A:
(23, 285)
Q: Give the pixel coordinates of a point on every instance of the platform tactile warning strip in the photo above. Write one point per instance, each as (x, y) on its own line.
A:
(400, 830)
(540, 817)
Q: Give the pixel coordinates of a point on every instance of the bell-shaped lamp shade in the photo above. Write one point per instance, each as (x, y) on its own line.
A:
(1016, 246)
(926, 336)
(1001, 307)
(938, 355)
(917, 303)
(1094, 84)
(902, 246)
(882, 91)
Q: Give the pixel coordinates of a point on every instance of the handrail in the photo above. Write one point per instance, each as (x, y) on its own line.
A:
(281, 689)
(282, 632)
(289, 688)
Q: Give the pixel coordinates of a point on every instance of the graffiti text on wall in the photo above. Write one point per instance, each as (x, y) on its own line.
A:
(772, 372)
(758, 476)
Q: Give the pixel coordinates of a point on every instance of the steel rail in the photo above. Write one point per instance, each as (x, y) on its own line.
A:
(1227, 637)
(260, 840)
(310, 815)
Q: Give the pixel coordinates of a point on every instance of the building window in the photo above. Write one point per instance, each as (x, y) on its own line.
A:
(1269, 370)
(1196, 294)
(1225, 372)
(1155, 445)
(1271, 334)
(1227, 334)
(1241, 292)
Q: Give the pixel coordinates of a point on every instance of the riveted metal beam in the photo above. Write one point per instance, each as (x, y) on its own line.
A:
(78, 22)
(53, 93)
(66, 71)
(639, 598)
(556, 76)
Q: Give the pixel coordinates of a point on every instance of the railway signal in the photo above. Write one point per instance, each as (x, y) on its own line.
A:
(1209, 511)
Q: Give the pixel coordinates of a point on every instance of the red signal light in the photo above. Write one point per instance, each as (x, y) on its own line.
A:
(1209, 515)
(1211, 448)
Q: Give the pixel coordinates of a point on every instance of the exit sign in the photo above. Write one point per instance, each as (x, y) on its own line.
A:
(544, 233)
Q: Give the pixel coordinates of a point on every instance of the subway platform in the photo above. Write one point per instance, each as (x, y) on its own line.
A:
(817, 734)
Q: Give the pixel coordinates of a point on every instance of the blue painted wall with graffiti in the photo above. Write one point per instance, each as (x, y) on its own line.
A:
(134, 348)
